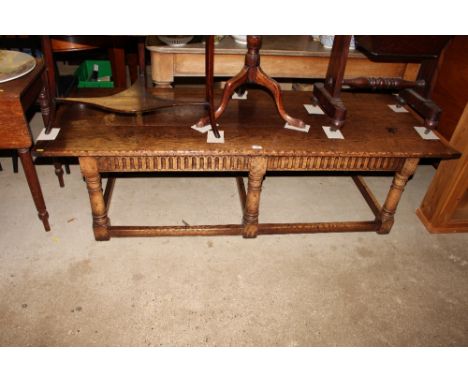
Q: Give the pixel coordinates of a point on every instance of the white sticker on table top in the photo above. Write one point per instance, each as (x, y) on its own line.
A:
(257, 147)
(212, 139)
(304, 129)
(48, 137)
(202, 129)
(240, 96)
(398, 108)
(426, 133)
(314, 109)
(332, 134)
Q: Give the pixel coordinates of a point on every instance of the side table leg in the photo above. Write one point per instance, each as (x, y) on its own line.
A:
(59, 173)
(252, 202)
(34, 186)
(101, 222)
(396, 189)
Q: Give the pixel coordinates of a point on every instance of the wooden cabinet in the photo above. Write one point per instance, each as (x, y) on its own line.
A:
(445, 205)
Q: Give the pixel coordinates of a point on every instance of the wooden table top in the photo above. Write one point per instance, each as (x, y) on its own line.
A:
(271, 46)
(371, 129)
(16, 96)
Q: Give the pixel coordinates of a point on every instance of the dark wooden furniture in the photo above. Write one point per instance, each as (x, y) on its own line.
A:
(378, 140)
(252, 73)
(451, 88)
(282, 57)
(16, 97)
(444, 208)
(426, 50)
(116, 46)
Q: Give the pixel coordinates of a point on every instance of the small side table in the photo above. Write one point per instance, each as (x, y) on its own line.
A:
(15, 98)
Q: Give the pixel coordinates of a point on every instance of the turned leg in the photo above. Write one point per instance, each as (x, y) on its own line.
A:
(396, 189)
(252, 202)
(101, 222)
(45, 104)
(34, 186)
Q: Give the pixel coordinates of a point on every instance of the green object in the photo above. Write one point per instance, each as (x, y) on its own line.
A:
(85, 70)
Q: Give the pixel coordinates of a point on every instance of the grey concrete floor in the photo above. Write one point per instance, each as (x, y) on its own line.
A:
(62, 288)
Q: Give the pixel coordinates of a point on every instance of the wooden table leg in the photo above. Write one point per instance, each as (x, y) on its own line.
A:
(252, 202)
(34, 186)
(101, 222)
(396, 189)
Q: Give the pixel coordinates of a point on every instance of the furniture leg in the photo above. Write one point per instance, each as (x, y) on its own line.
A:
(101, 222)
(252, 73)
(252, 202)
(14, 158)
(327, 94)
(230, 87)
(274, 88)
(45, 103)
(117, 57)
(34, 186)
(209, 67)
(396, 189)
(59, 173)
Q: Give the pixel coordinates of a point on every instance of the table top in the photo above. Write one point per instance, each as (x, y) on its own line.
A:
(251, 127)
(271, 46)
(16, 96)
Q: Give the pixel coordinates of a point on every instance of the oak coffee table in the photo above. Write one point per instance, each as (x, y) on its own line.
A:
(376, 140)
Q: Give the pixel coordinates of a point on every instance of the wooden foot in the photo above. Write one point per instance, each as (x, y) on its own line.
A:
(252, 202)
(393, 198)
(34, 186)
(101, 222)
(425, 107)
(262, 79)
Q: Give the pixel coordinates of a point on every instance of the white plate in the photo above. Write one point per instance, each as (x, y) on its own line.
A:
(15, 64)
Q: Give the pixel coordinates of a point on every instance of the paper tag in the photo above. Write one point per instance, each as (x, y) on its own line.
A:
(426, 133)
(332, 134)
(304, 129)
(202, 129)
(242, 96)
(398, 108)
(313, 109)
(48, 137)
(212, 139)
(257, 147)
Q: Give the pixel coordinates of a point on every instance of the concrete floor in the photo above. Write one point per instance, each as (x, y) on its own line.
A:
(62, 288)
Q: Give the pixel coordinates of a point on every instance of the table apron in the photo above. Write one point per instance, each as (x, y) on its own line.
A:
(243, 163)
